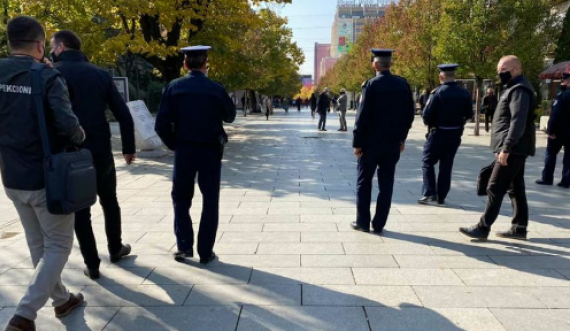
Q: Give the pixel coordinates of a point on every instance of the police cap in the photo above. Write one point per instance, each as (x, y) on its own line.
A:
(448, 67)
(196, 50)
(379, 53)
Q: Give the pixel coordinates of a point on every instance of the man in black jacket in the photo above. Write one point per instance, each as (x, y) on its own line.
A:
(92, 90)
(558, 137)
(489, 106)
(49, 237)
(513, 140)
(323, 106)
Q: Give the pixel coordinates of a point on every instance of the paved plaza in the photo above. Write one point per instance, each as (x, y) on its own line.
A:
(289, 261)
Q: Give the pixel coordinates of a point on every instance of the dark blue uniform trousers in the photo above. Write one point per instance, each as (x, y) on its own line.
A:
(441, 146)
(553, 147)
(382, 159)
(205, 162)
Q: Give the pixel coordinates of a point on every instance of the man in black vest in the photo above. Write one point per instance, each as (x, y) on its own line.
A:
(92, 90)
(558, 137)
(49, 237)
(513, 140)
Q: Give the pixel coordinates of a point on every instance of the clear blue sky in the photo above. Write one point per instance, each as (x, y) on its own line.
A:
(311, 22)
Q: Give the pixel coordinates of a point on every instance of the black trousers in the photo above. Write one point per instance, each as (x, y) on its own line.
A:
(441, 146)
(107, 192)
(509, 179)
(206, 163)
(488, 119)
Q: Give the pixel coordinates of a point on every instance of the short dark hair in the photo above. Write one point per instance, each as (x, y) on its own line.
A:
(68, 38)
(194, 62)
(23, 31)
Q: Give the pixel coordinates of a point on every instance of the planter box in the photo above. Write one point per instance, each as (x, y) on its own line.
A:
(543, 123)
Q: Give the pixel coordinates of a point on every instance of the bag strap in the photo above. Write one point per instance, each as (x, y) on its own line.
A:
(38, 96)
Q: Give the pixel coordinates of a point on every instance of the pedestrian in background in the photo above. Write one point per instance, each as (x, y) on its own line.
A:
(49, 237)
(323, 107)
(313, 102)
(341, 108)
(489, 106)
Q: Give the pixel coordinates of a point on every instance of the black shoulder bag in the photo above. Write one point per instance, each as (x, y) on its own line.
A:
(70, 177)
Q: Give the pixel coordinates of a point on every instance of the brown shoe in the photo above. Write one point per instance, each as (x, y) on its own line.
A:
(75, 300)
(19, 323)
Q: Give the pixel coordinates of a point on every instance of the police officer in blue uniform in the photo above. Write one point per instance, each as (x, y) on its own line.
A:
(384, 118)
(190, 122)
(447, 110)
(558, 137)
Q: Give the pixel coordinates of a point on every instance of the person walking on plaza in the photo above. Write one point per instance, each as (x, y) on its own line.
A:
(286, 104)
(489, 106)
(49, 237)
(513, 140)
(558, 137)
(446, 113)
(190, 122)
(323, 106)
(268, 106)
(313, 102)
(423, 99)
(342, 105)
(299, 103)
(92, 90)
(383, 121)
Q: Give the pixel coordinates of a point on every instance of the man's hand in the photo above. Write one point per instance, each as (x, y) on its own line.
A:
(502, 158)
(48, 62)
(130, 158)
(402, 147)
(552, 136)
(358, 152)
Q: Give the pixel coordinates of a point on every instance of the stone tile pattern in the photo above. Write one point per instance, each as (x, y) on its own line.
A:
(288, 259)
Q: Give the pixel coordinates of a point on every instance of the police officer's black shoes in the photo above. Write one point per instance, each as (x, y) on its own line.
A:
(208, 259)
(355, 226)
(441, 203)
(475, 232)
(563, 185)
(513, 233)
(124, 251)
(91, 273)
(543, 182)
(181, 256)
(428, 200)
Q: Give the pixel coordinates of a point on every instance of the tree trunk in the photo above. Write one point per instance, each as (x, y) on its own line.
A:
(479, 85)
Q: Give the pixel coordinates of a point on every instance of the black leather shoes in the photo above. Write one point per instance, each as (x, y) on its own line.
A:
(91, 273)
(428, 201)
(208, 259)
(563, 185)
(181, 256)
(124, 251)
(475, 232)
(513, 233)
(357, 227)
(542, 182)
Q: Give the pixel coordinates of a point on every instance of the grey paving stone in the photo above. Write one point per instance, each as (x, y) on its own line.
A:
(239, 295)
(83, 319)
(175, 319)
(299, 248)
(316, 276)
(476, 249)
(552, 297)
(327, 218)
(300, 227)
(300, 211)
(387, 249)
(359, 295)
(477, 297)
(302, 319)
(533, 319)
(266, 219)
(257, 261)
(193, 274)
(235, 237)
(349, 261)
(445, 262)
(508, 277)
(533, 262)
(135, 295)
(75, 277)
(339, 237)
(433, 277)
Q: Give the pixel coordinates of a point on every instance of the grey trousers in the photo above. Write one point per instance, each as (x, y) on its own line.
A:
(342, 118)
(50, 240)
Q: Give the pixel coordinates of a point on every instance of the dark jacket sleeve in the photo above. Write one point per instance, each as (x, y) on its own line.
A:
(430, 109)
(164, 125)
(363, 118)
(123, 116)
(410, 115)
(560, 108)
(468, 111)
(229, 108)
(65, 122)
(519, 106)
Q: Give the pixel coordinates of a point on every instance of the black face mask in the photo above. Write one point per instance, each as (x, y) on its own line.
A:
(563, 88)
(54, 58)
(505, 77)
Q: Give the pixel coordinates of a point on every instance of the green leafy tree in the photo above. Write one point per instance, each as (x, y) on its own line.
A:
(563, 46)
